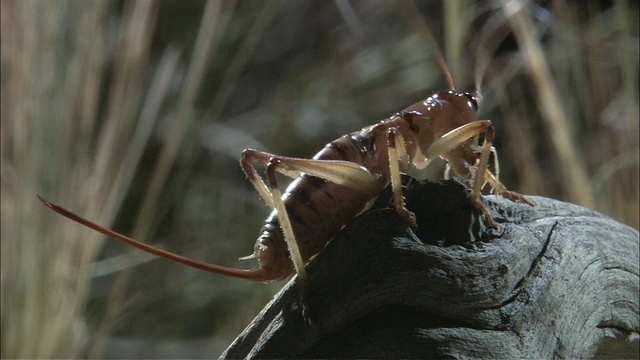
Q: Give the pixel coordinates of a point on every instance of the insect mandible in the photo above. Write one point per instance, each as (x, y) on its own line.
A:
(346, 177)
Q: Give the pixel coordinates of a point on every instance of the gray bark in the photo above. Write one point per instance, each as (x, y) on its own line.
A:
(556, 281)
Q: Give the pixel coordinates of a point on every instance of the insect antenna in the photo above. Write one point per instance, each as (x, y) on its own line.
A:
(254, 275)
(410, 11)
(493, 33)
(480, 69)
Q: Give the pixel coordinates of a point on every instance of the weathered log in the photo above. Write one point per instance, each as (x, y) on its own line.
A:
(555, 281)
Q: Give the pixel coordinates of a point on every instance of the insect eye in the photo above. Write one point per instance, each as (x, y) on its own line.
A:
(473, 101)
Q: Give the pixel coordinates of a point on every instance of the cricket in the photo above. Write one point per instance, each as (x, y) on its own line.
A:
(346, 177)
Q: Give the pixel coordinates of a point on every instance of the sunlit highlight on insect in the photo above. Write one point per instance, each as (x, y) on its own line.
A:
(345, 178)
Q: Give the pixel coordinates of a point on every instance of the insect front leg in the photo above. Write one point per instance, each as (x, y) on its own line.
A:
(398, 156)
(496, 167)
(459, 136)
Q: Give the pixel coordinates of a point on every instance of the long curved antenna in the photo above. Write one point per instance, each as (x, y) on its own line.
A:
(253, 275)
(481, 67)
(491, 36)
(411, 12)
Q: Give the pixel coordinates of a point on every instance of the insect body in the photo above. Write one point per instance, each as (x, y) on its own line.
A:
(346, 177)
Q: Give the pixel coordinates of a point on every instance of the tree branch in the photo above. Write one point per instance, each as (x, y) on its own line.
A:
(554, 281)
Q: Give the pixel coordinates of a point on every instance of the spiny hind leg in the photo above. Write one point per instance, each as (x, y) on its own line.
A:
(285, 222)
(340, 172)
(397, 157)
(250, 157)
(349, 174)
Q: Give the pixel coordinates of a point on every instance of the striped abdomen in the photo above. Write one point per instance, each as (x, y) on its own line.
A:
(318, 208)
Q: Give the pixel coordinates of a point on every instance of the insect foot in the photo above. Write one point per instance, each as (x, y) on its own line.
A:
(516, 197)
(482, 211)
(307, 311)
(409, 218)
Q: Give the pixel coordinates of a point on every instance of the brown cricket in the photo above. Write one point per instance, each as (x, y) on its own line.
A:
(345, 178)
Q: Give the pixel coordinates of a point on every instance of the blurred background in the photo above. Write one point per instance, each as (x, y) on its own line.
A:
(134, 114)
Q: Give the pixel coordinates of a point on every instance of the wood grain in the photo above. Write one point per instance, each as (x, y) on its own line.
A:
(556, 281)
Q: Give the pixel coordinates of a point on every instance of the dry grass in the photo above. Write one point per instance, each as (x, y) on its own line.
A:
(583, 108)
(75, 135)
(134, 114)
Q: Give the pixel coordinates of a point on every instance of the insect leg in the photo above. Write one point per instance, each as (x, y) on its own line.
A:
(496, 163)
(345, 173)
(285, 222)
(459, 136)
(496, 167)
(501, 190)
(398, 156)
(447, 171)
(249, 157)
(273, 198)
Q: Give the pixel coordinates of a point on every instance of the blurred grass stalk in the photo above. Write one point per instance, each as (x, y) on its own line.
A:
(589, 134)
(571, 165)
(76, 116)
(593, 131)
